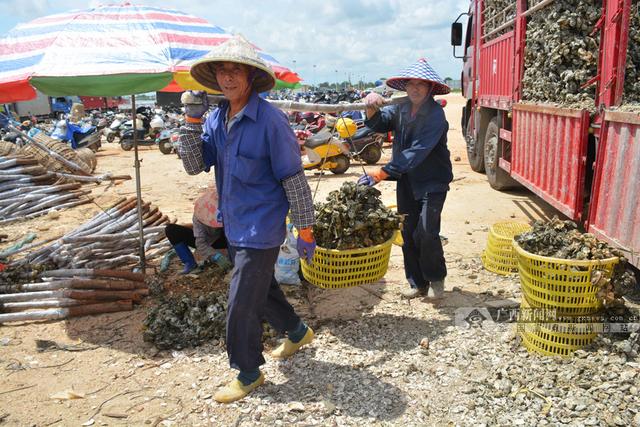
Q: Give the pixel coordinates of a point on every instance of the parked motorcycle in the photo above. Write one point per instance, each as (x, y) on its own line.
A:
(364, 144)
(323, 151)
(115, 129)
(149, 132)
(79, 136)
(165, 141)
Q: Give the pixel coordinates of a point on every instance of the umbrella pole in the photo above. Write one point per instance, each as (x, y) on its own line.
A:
(138, 186)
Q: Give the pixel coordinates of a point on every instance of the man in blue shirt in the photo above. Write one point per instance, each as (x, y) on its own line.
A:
(259, 177)
(421, 165)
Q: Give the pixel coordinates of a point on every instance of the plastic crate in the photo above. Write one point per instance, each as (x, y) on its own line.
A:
(333, 269)
(561, 284)
(398, 241)
(560, 338)
(499, 256)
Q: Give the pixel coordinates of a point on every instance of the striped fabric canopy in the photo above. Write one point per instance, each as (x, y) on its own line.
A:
(110, 50)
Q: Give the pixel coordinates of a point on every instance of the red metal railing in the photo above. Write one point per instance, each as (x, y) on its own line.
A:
(614, 214)
(549, 154)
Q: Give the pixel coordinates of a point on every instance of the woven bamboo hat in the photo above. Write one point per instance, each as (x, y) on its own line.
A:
(236, 49)
(420, 70)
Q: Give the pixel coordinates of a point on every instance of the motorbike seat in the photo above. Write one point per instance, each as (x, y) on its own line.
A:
(318, 139)
(362, 132)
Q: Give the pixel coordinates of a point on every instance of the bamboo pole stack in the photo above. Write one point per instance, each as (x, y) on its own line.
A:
(108, 240)
(28, 190)
(72, 292)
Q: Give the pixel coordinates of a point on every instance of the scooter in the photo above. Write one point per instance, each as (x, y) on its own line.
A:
(323, 151)
(165, 141)
(114, 130)
(77, 136)
(363, 143)
(366, 145)
(149, 132)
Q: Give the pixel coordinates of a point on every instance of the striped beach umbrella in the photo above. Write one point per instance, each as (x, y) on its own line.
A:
(110, 50)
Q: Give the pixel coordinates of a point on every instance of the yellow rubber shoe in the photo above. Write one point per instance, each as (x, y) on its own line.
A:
(288, 347)
(235, 390)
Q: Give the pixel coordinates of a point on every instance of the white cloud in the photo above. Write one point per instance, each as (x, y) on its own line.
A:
(371, 38)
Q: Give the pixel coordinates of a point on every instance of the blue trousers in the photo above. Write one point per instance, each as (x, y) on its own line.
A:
(422, 249)
(254, 296)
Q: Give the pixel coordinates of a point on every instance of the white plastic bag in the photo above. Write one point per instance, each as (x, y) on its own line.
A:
(288, 262)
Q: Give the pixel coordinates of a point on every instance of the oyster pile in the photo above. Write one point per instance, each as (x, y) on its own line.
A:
(562, 239)
(497, 13)
(354, 217)
(632, 75)
(184, 321)
(561, 54)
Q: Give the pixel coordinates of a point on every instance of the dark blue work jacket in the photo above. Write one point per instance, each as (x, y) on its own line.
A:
(251, 160)
(419, 152)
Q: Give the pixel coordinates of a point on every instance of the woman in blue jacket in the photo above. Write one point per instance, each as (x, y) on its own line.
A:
(421, 165)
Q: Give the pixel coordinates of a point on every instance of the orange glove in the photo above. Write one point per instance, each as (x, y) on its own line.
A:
(306, 244)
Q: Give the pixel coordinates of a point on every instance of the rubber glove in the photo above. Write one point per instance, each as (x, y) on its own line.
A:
(373, 178)
(195, 103)
(306, 244)
(221, 260)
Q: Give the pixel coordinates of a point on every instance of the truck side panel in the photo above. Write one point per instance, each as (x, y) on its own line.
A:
(548, 154)
(40, 106)
(612, 58)
(497, 64)
(615, 211)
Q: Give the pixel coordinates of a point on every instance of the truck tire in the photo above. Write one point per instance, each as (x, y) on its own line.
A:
(343, 164)
(165, 146)
(475, 150)
(498, 178)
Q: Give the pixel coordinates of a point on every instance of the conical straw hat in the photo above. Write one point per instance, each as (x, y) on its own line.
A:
(420, 70)
(236, 49)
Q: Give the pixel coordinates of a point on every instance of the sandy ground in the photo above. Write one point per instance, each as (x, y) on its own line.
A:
(124, 381)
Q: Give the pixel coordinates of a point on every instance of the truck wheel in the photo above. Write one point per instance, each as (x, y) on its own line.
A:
(165, 146)
(475, 150)
(126, 144)
(371, 154)
(498, 178)
(343, 164)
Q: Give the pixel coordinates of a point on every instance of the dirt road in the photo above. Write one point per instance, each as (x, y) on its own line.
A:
(123, 381)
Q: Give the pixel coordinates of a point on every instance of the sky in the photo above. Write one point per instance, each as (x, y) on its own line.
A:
(322, 40)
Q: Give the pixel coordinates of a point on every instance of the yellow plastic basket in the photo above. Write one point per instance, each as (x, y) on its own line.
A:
(561, 284)
(398, 241)
(499, 256)
(333, 269)
(560, 338)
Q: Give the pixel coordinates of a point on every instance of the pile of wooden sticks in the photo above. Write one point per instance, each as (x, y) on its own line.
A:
(72, 292)
(28, 190)
(108, 240)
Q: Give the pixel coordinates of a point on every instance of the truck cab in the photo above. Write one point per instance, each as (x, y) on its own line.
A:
(62, 104)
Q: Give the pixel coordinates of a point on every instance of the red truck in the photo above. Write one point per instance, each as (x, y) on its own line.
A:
(97, 102)
(585, 161)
